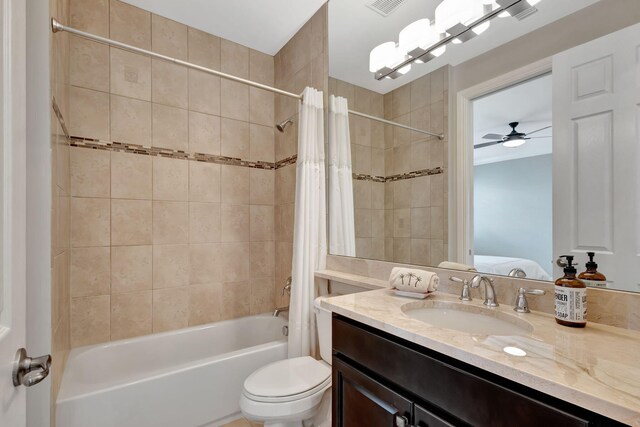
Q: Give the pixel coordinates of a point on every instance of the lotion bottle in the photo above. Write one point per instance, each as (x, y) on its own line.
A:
(591, 276)
(571, 297)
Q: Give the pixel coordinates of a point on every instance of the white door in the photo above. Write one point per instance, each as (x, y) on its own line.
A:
(596, 114)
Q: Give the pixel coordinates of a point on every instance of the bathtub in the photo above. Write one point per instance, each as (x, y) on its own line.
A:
(190, 377)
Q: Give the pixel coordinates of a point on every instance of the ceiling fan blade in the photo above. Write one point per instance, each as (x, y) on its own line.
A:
(487, 144)
(493, 136)
(539, 137)
(538, 130)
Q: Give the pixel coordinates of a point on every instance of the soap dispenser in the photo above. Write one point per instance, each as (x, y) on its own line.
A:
(591, 276)
(571, 297)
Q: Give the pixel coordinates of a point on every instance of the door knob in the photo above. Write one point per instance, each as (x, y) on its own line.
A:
(28, 371)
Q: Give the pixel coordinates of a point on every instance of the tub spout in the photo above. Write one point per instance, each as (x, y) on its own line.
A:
(279, 310)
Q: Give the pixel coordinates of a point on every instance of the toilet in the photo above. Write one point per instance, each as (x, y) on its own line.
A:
(293, 392)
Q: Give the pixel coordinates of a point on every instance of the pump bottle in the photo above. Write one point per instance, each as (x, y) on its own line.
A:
(570, 297)
(591, 276)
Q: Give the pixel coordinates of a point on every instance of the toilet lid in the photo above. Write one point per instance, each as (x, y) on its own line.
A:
(287, 377)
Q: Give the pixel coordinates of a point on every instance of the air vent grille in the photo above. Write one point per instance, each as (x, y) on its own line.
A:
(384, 7)
(526, 13)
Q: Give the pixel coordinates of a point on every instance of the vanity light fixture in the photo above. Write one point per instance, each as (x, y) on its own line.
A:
(456, 21)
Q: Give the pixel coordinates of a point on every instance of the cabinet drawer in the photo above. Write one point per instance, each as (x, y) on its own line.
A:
(468, 397)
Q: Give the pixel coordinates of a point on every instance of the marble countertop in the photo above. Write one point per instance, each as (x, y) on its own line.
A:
(597, 368)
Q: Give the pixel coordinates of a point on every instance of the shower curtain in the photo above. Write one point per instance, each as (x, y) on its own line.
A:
(309, 232)
(342, 235)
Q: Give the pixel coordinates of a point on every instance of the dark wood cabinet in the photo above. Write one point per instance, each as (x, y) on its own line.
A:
(383, 380)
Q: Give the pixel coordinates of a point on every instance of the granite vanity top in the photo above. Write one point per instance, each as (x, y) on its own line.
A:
(597, 367)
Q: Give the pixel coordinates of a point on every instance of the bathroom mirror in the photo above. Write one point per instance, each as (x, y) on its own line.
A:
(510, 141)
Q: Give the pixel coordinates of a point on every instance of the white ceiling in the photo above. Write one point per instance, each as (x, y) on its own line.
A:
(262, 25)
(528, 103)
(354, 30)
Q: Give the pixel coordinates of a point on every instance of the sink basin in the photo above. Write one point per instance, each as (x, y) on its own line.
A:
(471, 319)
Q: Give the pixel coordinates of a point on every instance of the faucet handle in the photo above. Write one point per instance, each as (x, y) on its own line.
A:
(287, 286)
(522, 305)
(465, 295)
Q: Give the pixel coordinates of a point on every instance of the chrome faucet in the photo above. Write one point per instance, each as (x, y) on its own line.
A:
(279, 310)
(465, 295)
(489, 290)
(522, 305)
(286, 289)
(517, 272)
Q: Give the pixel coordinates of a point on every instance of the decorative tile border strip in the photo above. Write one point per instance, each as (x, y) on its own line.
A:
(97, 144)
(58, 113)
(398, 177)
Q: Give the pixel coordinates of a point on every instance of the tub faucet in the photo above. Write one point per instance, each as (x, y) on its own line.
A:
(517, 272)
(489, 290)
(279, 310)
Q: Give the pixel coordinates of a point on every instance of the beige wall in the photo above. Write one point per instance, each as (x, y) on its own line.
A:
(172, 188)
(60, 218)
(405, 218)
(301, 62)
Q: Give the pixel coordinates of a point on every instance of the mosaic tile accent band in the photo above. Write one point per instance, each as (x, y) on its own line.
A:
(96, 144)
(398, 177)
(58, 114)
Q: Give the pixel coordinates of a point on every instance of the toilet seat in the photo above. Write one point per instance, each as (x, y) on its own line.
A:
(288, 380)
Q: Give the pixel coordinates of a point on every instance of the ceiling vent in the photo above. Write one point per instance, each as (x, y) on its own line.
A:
(384, 7)
(526, 13)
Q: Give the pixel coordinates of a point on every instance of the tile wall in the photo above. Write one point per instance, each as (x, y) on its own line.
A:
(173, 177)
(403, 218)
(60, 188)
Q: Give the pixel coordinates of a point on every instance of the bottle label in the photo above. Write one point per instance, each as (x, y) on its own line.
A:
(571, 304)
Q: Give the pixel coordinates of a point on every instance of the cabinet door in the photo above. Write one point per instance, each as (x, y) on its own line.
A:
(424, 418)
(359, 400)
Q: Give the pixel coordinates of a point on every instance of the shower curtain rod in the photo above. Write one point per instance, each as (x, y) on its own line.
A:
(56, 26)
(389, 122)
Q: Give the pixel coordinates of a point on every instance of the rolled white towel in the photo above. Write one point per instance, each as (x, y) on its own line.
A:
(413, 280)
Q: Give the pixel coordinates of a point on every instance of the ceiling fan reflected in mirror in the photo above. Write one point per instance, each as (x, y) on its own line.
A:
(512, 139)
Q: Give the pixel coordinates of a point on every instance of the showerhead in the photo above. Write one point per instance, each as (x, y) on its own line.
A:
(283, 125)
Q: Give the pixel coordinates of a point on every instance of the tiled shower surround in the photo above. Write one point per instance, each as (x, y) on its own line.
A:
(178, 189)
(399, 183)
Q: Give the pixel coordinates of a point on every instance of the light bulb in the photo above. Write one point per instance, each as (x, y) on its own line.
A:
(380, 56)
(512, 143)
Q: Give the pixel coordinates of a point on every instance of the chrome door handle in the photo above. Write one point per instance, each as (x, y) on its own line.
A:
(29, 371)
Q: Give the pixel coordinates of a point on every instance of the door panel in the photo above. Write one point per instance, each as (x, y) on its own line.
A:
(425, 418)
(596, 116)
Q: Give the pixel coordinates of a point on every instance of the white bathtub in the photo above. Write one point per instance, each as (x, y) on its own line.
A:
(190, 377)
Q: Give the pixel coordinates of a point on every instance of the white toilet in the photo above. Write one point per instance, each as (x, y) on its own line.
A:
(293, 392)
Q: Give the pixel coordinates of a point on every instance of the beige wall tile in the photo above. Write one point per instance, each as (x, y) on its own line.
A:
(130, 222)
(261, 186)
(234, 138)
(362, 194)
(89, 172)
(204, 49)
(420, 191)
(402, 193)
(235, 185)
(205, 263)
(204, 133)
(130, 24)
(170, 127)
(402, 223)
(170, 222)
(90, 271)
(234, 58)
(88, 64)
(130, 74)
(204, 222)
(90, 222)
(420, 251)
(420, 223)
(402, 250)
(262, 259)
(168, 37)
(60, 288)
(170, 309)
(131, 315)
(236, 300)
(234, 100)
(235, 223)
(130, 176)
(170, 179)
(90, 15)
(261, 143)
(88, 113)
(234, 261)
(285, 184)
(261, 67)
(204, 92)
(261, 107)
(401, 101)
(204, 303)
(90, 320)
(169, 84)
(437, 222)
(170, 266)
(130, 120)
(262, 223)
(437, 254)
(262, 298)
(131, 268)
(204, 182)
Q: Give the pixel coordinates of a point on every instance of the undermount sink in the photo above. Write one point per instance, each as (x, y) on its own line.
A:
(471, 319)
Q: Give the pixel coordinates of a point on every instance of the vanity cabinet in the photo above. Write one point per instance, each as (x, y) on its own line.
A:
(383, 380)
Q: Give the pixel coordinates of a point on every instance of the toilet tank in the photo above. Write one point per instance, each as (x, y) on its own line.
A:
(323, 322)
